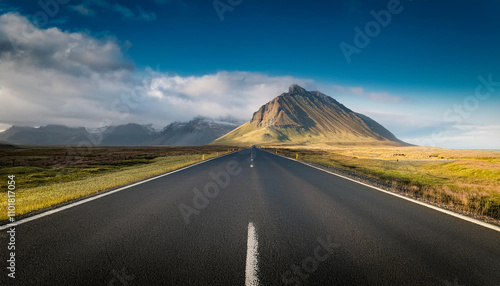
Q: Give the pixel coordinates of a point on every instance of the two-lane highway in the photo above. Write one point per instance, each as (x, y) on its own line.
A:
(252, 218)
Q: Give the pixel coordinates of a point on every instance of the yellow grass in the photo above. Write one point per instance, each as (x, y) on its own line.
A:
(465, 180)
(32, 199)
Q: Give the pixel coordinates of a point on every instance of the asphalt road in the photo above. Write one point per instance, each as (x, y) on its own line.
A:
(225, 222)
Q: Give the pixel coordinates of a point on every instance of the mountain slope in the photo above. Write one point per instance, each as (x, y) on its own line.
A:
(301, 117)
(199, 131)
(127, 135)
(45, 135)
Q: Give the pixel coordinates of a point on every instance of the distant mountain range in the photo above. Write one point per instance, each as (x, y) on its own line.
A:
(44, 135)
(297, 117)
(301, 117)
(199, 131)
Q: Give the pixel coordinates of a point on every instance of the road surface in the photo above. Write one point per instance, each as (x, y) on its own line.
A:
(252, 218)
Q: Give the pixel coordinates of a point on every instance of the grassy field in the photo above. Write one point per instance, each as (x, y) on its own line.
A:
(463, 180)
(49, 176)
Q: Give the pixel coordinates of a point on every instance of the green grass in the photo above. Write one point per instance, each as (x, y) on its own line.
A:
(30, 177)
(42, 187)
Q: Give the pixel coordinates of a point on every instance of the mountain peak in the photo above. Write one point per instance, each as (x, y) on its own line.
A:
(295, 88)
(302, 117)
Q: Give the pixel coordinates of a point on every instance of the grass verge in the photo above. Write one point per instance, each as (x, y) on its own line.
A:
(40, 188)
(466, 184)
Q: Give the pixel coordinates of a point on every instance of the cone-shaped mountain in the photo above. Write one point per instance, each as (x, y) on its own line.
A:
(300, 117)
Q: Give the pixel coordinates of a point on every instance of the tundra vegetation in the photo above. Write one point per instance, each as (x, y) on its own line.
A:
(466, 181)
(49, 176)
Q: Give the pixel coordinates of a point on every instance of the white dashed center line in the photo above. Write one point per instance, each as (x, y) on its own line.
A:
(252, 267)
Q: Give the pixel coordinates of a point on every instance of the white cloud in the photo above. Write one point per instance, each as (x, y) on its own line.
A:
(374, 96)
(23, 44)
(238, 94)
(83, 9)
(45, 71)
(90, 8)
(417, 129)
(51, 76)
(406, 121)
(144, 15)
(461, 137)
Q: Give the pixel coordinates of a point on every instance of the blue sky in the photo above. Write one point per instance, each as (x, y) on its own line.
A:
(418, 75)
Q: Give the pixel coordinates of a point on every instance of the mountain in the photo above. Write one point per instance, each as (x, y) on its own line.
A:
(199, 131)
(127, 135)
(300, 117)
(4, 146)
(45, 135)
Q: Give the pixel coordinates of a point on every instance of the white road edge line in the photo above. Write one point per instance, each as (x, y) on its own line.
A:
(466, 218)
(95, 197)
(251, 269)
